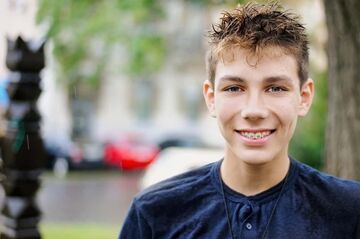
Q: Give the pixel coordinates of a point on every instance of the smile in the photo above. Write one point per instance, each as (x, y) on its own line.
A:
(254, 135)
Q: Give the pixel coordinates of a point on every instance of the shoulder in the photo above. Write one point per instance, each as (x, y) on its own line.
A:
(331, 188)
(327, 181)
(177, 189)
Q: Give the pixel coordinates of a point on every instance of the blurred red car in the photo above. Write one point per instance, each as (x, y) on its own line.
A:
(130, 153)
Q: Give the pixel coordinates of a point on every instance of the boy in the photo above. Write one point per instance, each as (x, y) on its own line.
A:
(257, 87)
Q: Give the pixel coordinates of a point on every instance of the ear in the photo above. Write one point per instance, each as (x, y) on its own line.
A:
(306, 97)
(209, 95)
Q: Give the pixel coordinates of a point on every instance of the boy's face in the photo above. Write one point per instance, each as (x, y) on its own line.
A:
(257, 101)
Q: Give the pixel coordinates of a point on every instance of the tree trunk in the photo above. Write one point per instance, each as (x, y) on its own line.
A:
(343, 121)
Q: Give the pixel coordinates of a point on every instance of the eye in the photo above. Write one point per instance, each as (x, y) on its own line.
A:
(233, 89)
(276, 89)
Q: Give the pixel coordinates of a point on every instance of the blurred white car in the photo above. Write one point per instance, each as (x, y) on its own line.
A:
(173, 161)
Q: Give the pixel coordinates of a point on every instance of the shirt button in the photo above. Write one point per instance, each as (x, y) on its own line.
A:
(248, 226)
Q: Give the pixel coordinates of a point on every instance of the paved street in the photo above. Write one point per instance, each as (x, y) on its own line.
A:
(95, 197)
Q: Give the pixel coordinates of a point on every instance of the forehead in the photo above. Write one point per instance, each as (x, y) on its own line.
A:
(266, 63)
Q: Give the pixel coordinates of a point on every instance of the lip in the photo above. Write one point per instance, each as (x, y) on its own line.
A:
(255, 142)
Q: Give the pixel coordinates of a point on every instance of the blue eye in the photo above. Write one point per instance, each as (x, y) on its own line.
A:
(276, 89)
(233, 89)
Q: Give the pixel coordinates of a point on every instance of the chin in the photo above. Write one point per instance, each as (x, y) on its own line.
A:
(255, 158)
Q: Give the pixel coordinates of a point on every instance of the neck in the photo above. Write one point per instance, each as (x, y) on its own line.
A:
(251, 179)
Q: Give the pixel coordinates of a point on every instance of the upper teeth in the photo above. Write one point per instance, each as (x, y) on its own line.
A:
(255, 135)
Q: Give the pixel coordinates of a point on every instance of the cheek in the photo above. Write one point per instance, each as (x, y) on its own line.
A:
(226, 109)
(287, 115)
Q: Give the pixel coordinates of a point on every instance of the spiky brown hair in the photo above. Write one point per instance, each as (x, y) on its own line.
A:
(255, 26)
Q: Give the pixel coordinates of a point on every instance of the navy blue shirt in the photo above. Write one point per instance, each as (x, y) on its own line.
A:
(313, 205)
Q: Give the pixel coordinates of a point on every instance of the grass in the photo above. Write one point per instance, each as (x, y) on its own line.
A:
(79, 231)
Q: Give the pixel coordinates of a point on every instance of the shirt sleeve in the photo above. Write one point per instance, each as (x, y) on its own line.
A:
(135, 225)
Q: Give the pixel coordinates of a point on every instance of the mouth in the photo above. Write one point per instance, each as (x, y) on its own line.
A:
(255, 134)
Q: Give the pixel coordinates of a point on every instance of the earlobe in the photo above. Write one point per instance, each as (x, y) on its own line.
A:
(208, 92)
(306, 97)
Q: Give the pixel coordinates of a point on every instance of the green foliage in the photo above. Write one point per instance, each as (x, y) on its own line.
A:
(144, 49)
(309, 139)
(141, 11)
(84, 33)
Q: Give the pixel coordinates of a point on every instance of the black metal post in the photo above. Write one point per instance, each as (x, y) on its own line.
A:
(23, 150)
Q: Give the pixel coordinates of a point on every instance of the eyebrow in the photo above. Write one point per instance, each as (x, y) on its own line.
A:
(279, 78)
(232, 78)
(271, 79)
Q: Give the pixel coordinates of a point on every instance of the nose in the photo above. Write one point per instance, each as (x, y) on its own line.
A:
(254, 107)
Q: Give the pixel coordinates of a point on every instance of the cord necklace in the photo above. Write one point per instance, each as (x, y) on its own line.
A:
(272, 211)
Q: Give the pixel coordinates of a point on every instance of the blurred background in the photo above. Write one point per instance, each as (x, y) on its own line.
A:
(121, 100)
